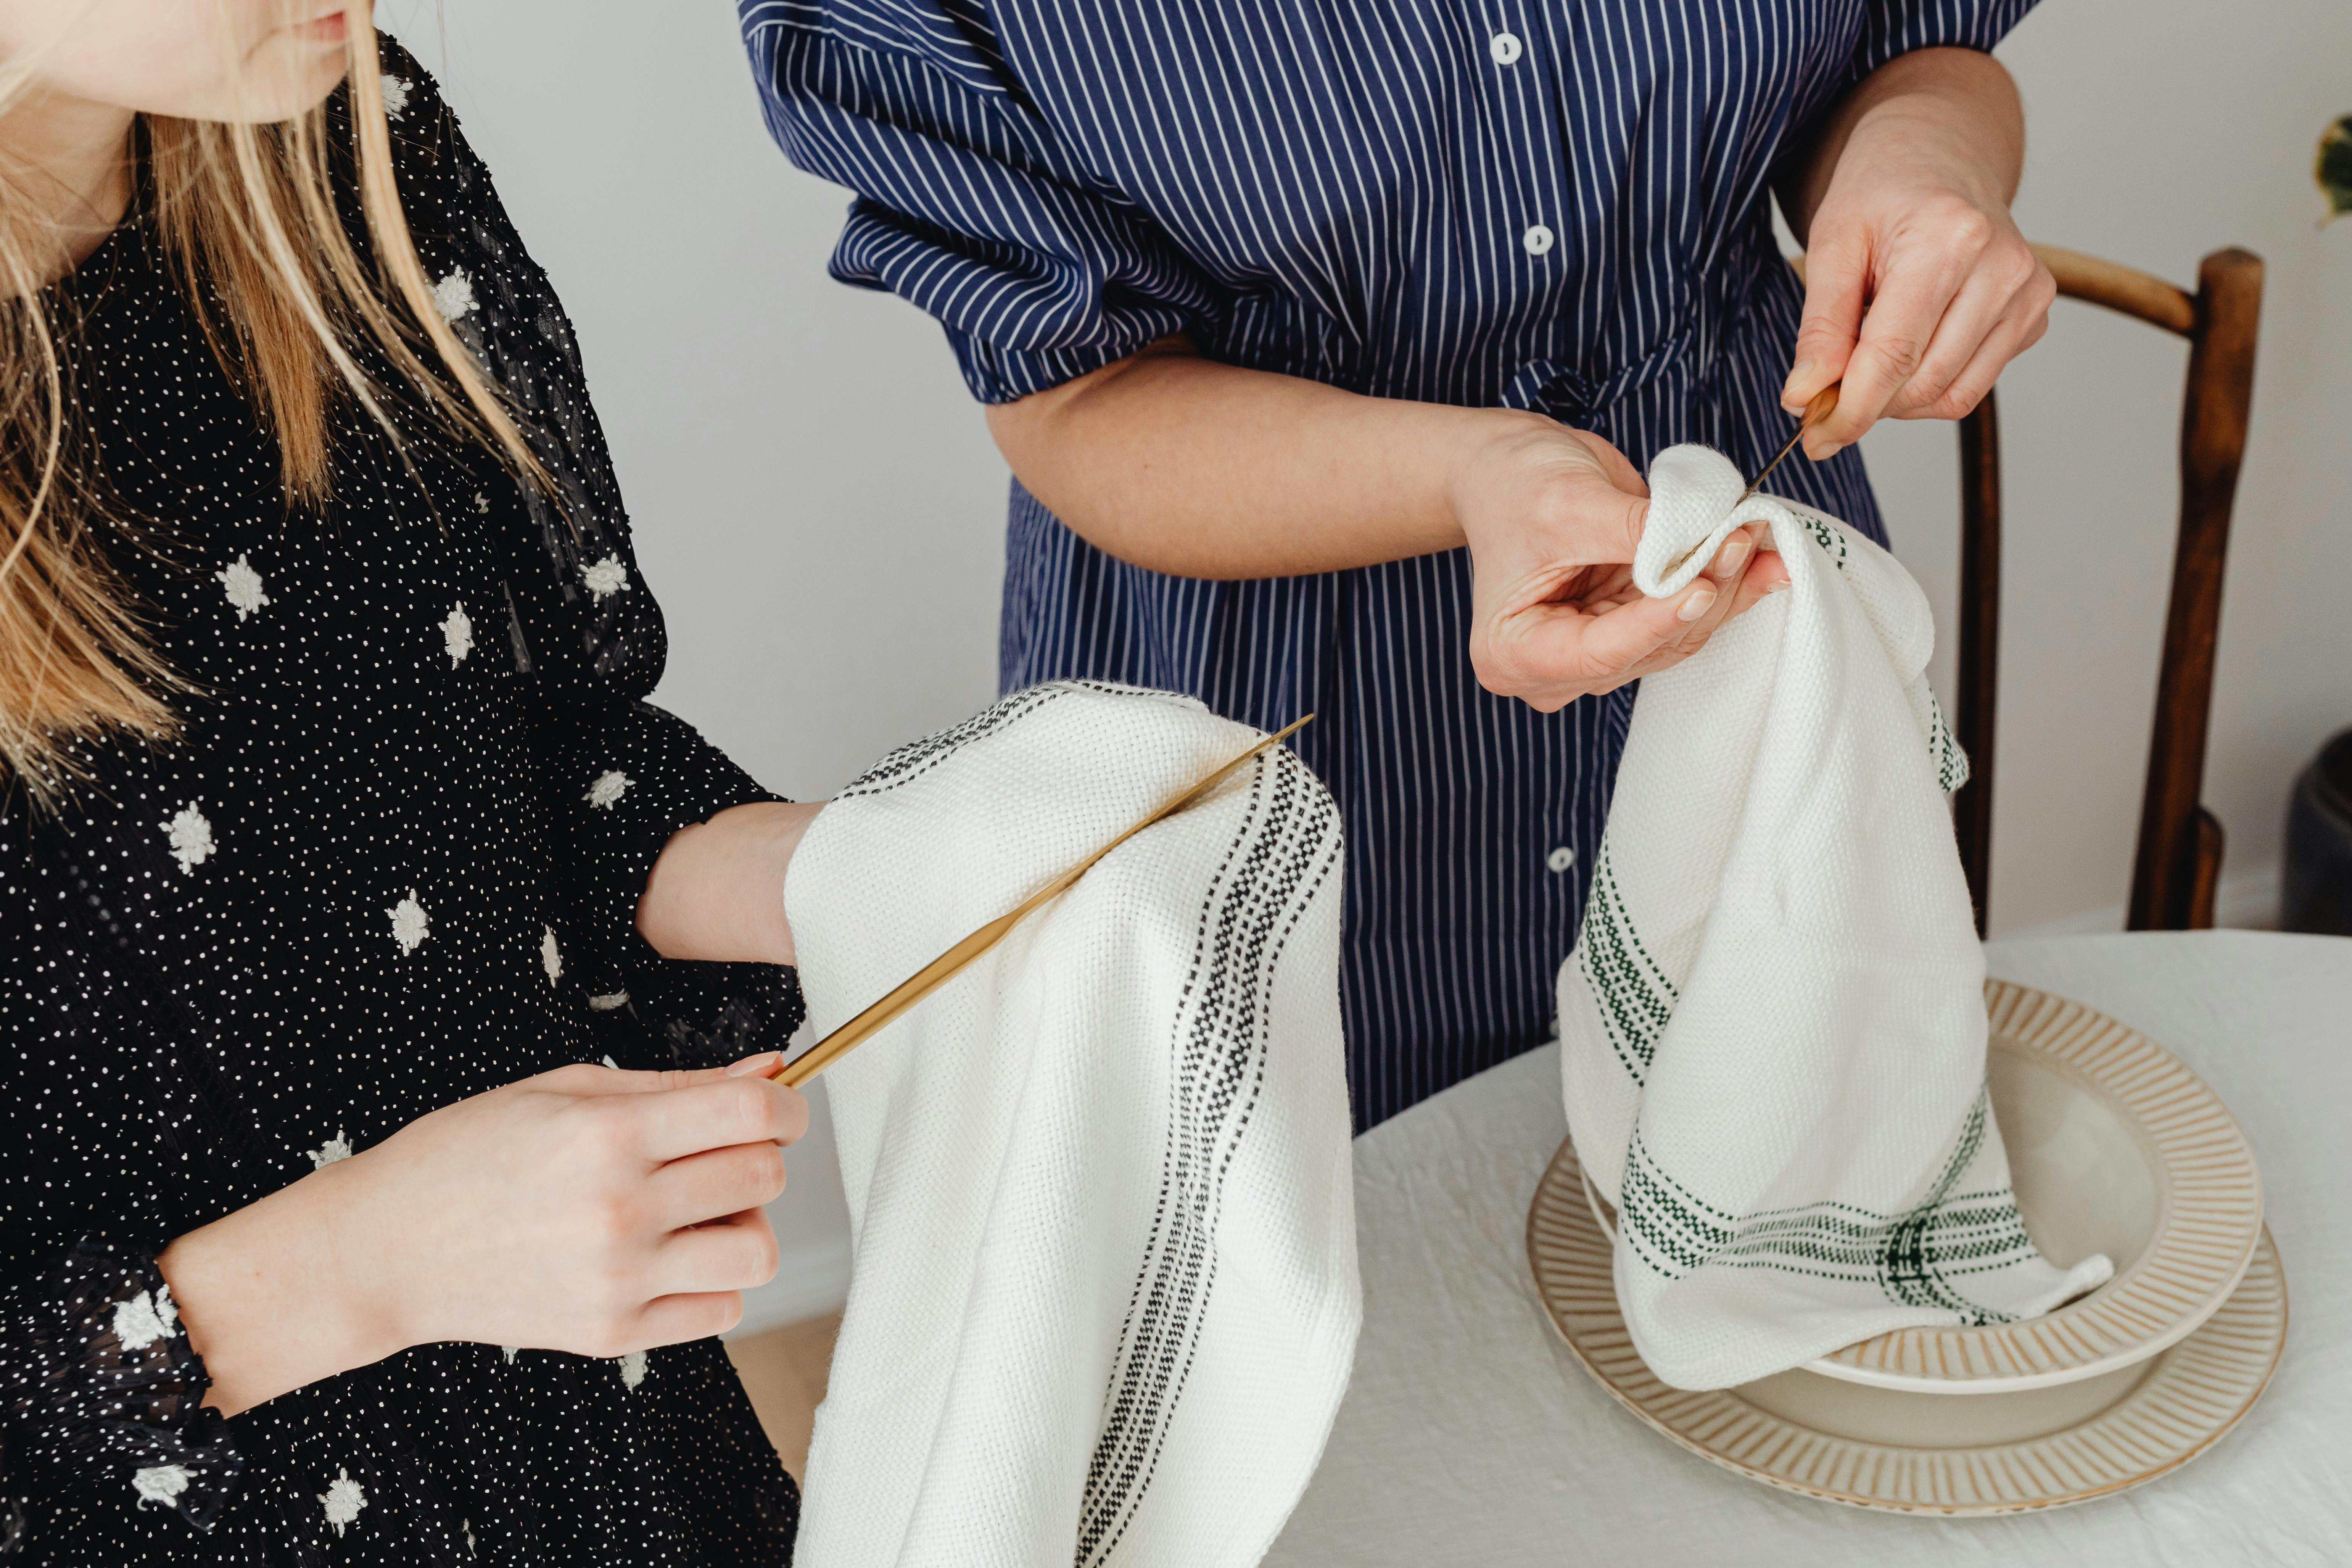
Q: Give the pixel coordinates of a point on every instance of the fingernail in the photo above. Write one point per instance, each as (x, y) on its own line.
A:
(1696, 602)
(1775, 587)
(1730, 559)
(755, 1064)
(1829, 449)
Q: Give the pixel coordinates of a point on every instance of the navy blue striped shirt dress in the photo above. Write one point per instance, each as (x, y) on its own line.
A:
(1559, 207)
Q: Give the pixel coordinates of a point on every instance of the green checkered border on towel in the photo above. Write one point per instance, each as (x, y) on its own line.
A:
(1913, 1258)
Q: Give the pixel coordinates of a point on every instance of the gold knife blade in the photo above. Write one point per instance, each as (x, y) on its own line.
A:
(955, 960)
(1823, 405)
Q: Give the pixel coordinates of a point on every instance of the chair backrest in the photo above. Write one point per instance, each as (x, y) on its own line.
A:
(2179, 862)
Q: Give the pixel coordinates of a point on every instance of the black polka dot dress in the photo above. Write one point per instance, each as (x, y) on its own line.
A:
(392, 861)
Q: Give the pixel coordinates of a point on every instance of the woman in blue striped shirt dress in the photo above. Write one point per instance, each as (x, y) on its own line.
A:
(1326, 341)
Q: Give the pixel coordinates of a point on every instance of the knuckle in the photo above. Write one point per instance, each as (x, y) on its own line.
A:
(1493, 670)
(608, 1126)
(796, 1115)
(613, 1219)
(1963, 224)
(1899, 353)
(583, 1082)
(747, 1107)
(762, 1255)
(767, 1169)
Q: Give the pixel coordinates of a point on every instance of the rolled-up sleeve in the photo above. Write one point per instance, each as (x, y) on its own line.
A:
(1892, 27)
(965, 203)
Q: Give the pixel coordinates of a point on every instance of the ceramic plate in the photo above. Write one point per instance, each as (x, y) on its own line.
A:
(2114, 1146)
(2159, 1416)
(2202, 1196)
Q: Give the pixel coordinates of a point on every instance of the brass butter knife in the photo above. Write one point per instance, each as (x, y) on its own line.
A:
(955, 960)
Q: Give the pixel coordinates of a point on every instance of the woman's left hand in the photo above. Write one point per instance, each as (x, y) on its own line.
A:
(1918, 287)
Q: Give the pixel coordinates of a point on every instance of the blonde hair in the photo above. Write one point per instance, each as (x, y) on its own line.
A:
(247, 221)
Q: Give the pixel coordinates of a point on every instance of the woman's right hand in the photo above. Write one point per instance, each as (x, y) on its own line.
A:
(585, 1209)
(1552, 517)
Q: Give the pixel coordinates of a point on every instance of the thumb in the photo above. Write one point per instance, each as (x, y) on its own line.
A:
(1837, 285)
(1634, 518)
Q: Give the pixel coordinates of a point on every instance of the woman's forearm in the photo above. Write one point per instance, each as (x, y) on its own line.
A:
(270, 1299)
(1919, 288)
(717, 890)
(585, 1209)
(1954, 111)
(1201, 470)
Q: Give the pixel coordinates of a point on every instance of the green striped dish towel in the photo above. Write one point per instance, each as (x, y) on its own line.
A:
(1773, 1026)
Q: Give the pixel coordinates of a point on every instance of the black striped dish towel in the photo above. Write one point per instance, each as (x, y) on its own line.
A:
(1104, 1299)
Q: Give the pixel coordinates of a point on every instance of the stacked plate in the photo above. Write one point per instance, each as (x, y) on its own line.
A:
(2114, 1146)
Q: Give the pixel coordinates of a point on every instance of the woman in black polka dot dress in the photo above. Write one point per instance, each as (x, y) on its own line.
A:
(290, 1277)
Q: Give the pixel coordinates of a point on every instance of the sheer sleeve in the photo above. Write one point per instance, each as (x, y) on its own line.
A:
(97, 1377)
(967, 206)
(620, 774)
(1892, 27)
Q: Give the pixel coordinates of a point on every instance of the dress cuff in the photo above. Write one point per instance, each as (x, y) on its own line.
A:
(639, 778)
(104, 1389)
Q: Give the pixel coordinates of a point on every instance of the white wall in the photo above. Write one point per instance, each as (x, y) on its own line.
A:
(819, 507)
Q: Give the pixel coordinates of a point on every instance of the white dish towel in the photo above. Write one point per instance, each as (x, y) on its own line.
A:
(1773, 1026)
(1104, 1300)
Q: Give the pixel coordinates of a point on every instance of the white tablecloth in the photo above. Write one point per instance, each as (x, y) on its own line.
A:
(1470, 1436)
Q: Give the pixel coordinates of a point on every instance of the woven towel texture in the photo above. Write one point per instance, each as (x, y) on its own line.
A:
(1104, 1295)
(1772, 1025)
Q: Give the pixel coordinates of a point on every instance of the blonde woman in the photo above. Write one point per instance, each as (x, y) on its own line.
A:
(338, 849)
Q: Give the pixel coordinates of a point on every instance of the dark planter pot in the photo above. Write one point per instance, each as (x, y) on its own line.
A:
(2316, 891)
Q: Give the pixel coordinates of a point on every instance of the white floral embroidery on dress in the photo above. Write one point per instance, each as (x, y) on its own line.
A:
(606, 577)
(242, 584)
(144, 1318)
(551, 957)
(634, 1367)
(160, 1483)
(191, 836)
(342, 1499)
(609, 786)
(395, 96)
(510, 1351)
(454, 295)
(458, 635)
(606, 1004)
(339, 1147)
(409, 925)
(481, 503)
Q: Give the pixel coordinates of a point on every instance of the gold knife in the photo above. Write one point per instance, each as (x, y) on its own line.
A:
(955, 960)
(1823, 405)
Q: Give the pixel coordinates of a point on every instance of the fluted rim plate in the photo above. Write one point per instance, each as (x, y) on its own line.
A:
(2208, 1221)
(2192, 1394)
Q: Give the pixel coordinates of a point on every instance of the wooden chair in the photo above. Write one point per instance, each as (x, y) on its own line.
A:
(2179, 862)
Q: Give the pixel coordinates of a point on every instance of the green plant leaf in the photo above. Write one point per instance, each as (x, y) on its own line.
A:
(2333, 168)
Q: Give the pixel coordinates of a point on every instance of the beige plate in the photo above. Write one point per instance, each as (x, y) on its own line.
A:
(2115, 1146)
(2187, 1397)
